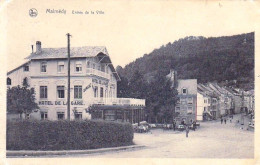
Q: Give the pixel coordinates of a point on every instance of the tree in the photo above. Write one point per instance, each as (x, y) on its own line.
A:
(137, 86)
(161, 99)
(21, 100)
(122, 87)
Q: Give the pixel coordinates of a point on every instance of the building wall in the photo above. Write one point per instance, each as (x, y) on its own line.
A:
(17, 76)
(52, 78)
(186, 107)
(237, 103)
(203, 104)
(200, 106)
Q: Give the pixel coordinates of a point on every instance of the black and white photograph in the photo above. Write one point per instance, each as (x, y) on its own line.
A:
(147, 80)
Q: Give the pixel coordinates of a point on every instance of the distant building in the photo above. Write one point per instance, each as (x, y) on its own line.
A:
(225, 99)
(186, 108)
(203, 106)
(214, 108)
(93, 85)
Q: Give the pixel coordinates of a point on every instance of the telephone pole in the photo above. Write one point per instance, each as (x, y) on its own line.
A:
(68, 97)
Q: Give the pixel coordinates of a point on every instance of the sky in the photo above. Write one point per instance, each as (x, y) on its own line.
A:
(128, 29)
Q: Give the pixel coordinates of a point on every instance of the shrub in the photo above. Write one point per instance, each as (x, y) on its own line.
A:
(67, 135)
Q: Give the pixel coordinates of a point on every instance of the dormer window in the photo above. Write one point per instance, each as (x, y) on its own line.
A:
(184, 91)
(26, 68)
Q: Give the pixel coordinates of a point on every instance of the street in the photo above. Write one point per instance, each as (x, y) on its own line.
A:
(211, 140)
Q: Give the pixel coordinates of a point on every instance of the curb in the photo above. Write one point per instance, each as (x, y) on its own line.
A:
(24, 153)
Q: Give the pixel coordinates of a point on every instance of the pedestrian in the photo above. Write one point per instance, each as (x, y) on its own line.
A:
(221, 120)
(187, 131)
(225, 120)
(194, 125)
(174, 125)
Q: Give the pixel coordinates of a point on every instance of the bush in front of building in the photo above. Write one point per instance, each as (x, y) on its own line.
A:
(67, 135)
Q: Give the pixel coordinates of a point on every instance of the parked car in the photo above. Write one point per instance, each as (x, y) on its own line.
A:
(142, 128)
(152, 125)
(135, 127)
(168, 126)
(181, 127)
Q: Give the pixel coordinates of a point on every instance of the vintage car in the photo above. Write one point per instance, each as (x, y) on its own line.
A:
(181, 127)
(142, 127)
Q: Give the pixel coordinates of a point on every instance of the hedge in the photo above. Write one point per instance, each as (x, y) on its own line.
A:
(67, 135)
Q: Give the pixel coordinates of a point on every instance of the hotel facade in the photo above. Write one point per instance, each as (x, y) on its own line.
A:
(93, 85)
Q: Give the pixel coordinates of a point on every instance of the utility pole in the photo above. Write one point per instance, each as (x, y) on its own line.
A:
(68, 97)
(242, 109)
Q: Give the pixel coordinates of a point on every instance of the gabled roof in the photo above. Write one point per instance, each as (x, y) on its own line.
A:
(75, 52)
(11, 71)
(208, 90)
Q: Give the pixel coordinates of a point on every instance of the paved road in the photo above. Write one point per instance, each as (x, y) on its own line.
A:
(211, 140)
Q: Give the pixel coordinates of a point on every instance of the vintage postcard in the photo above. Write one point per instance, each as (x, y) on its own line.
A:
(118, 82)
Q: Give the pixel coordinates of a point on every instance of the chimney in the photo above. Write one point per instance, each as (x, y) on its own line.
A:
(173, 75)
(32, 48)
(38, 47)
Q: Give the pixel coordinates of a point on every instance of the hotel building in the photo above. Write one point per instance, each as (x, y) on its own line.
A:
(93, 85)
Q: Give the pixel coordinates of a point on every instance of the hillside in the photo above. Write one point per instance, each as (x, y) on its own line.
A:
(220, 59)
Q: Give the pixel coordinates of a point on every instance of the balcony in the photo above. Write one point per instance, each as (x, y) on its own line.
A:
(95, 72)
(119, 101)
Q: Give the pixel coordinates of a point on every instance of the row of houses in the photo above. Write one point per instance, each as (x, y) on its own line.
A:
(216, 101)
(208, 101)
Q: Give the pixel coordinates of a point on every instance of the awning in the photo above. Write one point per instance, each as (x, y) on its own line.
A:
(115, 107)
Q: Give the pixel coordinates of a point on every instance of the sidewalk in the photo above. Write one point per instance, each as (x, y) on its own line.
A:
(25, 153)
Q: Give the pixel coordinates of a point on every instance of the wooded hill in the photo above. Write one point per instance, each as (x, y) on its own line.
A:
(221, 59)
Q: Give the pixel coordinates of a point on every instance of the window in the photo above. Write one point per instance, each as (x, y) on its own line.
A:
(177, 108)
(88, 64)
(78, 92)
(44, 67)
(189, 110)
(96, 92)
(26, 68)
(205, 109)
(190, 100)
(101, 92)
(8, 81)
(78, 66)
(205, 101)
(25, 82)
(184, 91)
(94, 66)
(44, 115)
(43, 92)
(60, 115)
(78, 115)
(61, 91)
(60, 67)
